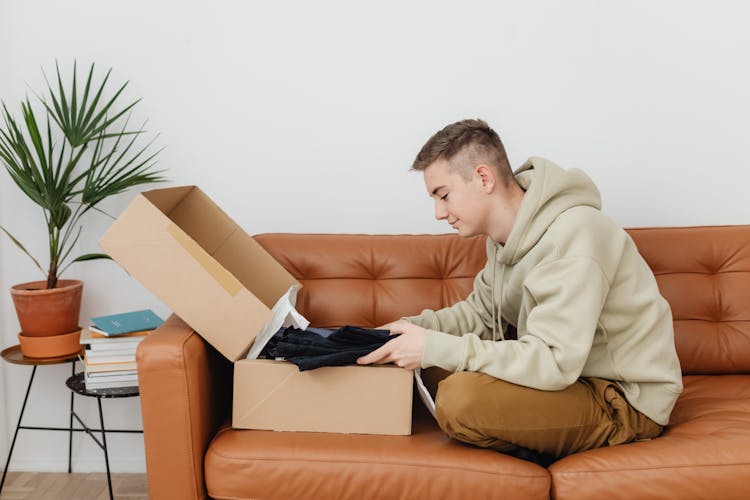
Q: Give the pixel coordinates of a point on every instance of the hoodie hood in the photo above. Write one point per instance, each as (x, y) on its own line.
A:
(550, 190)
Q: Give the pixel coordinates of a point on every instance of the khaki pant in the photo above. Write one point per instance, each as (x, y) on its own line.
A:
(484, 411)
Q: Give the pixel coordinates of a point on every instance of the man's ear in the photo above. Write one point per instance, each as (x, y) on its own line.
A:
(486, 177)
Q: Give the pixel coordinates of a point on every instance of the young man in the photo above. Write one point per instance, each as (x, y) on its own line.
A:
(565, 343)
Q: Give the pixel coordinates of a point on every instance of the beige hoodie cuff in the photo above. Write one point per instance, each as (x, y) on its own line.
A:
(442, 350)
(426, 319)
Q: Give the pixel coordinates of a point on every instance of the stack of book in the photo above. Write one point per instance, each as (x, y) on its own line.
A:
(111, 342)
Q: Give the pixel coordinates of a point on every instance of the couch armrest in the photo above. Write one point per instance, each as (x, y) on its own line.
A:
(185, 388)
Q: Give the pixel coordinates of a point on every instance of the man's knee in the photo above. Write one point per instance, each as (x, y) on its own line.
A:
(460, 404)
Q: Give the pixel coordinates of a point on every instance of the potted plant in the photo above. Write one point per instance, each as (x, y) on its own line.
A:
(79, 153)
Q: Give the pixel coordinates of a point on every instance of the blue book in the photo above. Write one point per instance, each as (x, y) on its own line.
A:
(135, 321)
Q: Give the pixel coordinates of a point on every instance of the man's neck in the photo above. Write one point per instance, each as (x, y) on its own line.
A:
(505, 214)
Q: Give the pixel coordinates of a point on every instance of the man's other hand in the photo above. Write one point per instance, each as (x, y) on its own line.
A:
(405, 351)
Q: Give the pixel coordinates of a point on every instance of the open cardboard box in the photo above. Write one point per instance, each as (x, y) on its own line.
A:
(182, 247)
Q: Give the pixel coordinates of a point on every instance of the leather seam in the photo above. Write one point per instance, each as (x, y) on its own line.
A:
(641, 469)
(369, 278)
(701, 273)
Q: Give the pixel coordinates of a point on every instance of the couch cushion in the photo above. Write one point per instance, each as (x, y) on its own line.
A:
(703, 453)
(425, 465)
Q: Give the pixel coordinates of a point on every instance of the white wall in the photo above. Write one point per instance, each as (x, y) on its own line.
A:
(305, 116)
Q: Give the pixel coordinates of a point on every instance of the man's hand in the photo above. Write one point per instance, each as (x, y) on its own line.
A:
(405, 351)
(387, 326)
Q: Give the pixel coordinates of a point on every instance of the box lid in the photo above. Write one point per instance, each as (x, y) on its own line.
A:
(183, 248)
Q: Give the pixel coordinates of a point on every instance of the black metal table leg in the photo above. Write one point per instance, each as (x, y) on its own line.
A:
(18, 425)
(70, 424)
(104, 442)
(77, 383)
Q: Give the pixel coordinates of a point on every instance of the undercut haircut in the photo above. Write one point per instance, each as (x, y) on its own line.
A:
(464, 145)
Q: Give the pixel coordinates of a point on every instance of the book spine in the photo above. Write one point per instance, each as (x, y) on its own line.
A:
(115, 373)
(109, 367)
(112, 378)
(110, 385)
(113, 348)
(97, 333)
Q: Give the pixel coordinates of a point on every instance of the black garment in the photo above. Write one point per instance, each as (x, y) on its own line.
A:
(511, 333)
(309, 350)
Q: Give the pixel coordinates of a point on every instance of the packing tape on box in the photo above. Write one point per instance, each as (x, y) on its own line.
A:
(223, 277)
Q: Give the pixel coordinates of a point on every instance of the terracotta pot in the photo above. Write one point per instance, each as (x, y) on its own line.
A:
(50, 347)
(42, 312)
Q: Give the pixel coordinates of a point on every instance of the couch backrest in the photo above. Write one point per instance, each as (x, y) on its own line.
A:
(368, 280)
(704, 273)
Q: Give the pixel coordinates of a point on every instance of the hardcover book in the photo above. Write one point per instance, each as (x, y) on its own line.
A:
(109, 367)
(134, 321)
(103, 358)
(110, 385)
(90, 337)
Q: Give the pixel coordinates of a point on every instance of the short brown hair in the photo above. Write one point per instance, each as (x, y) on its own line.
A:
(474, 137)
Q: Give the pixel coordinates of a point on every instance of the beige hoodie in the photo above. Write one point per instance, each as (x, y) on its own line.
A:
(582, 298)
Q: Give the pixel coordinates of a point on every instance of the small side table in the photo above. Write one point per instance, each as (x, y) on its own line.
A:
(14, 355)
(77, 385)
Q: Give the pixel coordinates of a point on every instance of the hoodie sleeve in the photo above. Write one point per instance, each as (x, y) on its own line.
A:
(566, 298)
(473, 315)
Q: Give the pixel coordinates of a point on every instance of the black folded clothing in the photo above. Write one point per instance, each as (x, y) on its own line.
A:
(309, 350)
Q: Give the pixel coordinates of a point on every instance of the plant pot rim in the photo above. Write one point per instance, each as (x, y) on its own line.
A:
(40, 286)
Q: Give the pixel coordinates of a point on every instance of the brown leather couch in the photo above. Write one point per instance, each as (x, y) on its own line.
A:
(192, 452)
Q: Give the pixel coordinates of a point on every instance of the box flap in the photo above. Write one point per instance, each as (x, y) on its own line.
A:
(166, 199)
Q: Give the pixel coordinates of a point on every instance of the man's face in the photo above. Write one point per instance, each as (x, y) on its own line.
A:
(460, 202)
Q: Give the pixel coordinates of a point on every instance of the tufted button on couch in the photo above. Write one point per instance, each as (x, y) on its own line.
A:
(368, 280)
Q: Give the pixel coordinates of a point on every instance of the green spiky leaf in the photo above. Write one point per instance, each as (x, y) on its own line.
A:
(76, 155)
(92, 256)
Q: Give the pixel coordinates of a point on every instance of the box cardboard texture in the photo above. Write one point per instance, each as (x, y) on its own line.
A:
(182, 247)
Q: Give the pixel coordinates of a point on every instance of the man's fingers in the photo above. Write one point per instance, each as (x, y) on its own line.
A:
(376, 356)
(396, 329)
(404, 351)
(398, 324)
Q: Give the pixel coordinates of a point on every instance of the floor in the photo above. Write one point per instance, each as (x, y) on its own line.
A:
(62, 486)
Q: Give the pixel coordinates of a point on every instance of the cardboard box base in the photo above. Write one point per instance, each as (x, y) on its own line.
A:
(275, 395)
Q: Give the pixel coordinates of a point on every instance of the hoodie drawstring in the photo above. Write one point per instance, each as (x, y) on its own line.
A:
(496, 314)
(492, 297)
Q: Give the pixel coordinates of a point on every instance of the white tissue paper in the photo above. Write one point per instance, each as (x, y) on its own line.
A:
(424, 394)
(283, 314)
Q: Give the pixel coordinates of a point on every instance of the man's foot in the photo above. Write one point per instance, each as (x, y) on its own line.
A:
(543, 459)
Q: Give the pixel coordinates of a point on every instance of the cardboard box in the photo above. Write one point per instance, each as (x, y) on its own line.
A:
(366, 399)
(182, 247)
